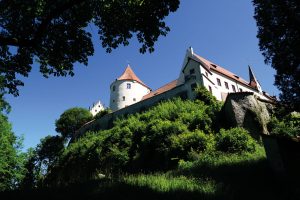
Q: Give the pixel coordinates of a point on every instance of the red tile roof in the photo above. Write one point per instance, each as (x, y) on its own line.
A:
(161, 90)
(213, 67)
(128, 74)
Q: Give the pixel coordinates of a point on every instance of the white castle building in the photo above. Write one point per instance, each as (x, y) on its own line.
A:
(126, 90)
(96, 108)
(129, 89)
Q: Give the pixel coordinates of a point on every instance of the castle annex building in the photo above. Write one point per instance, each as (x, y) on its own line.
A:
(128, 89)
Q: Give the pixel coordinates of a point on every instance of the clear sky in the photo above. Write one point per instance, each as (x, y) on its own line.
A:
(223, 32)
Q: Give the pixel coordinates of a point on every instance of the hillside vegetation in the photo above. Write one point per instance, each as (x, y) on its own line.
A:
(175, 150)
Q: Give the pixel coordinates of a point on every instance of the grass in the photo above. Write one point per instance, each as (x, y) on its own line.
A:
(209, 176)
(165, 183)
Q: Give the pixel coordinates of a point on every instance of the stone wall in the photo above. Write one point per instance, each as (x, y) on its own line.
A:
(107, 120)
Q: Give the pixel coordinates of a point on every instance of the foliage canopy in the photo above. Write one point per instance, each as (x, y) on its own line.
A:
(279, 39)
(55, 33)
(71, 120)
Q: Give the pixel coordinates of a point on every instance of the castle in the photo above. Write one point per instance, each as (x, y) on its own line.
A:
(128, 89)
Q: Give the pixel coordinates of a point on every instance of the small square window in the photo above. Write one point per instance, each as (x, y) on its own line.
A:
(219, 82)
(192, 71)
(123, 98)
(134, 99)
(128, 85)
(226, 85)
(233, 88)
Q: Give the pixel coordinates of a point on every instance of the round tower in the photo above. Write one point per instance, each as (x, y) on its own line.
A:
(126, 90)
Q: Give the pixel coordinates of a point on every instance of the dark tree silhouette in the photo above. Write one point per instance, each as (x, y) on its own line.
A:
(278, 24)
(54, 33)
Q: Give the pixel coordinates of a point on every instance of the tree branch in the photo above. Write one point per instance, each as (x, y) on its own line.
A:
(11, 41)
(55, 13)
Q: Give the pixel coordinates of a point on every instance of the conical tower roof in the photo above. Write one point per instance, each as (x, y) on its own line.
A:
(128, 74)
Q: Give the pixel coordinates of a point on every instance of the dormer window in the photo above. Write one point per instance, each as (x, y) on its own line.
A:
(128, 85)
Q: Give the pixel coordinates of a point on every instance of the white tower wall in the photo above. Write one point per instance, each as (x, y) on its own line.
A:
(122, 95)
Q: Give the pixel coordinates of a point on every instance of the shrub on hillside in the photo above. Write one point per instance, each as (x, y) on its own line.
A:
(288, 126)
(102, 113)
(235, 140)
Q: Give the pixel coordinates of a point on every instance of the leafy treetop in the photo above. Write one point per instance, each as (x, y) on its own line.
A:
(279, 39)
(71, 120)
(55, 33)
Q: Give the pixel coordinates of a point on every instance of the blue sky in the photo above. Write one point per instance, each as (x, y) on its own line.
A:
(223, 32)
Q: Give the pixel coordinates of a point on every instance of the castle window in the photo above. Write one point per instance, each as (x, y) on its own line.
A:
(241, 90)
(233, 88)
(134, 99)
(192, 71)
(219, 82)
(210, 90)
(128, 85)
(226, 85)
(193, 86)
(123, 98)
(114, 88)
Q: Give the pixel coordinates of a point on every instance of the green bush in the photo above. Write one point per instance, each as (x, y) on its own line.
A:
(235, 140)
(102, 113)
(289, 126)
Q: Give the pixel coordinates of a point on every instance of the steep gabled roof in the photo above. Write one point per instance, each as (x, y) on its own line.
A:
(128, 74)
(213, 67)
(253, 81)
(161, 90)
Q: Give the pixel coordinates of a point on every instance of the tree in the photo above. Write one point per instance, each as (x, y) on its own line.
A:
(11, 159)
(71, 120)
(55, 33)
(41, 159)
(278, 24)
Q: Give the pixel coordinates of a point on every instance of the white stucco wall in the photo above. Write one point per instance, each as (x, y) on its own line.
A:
(96, 108)
(208, 79)
(123, 96)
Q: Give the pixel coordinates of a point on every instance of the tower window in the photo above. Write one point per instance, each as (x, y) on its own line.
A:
(134, 99)
(114, 88)
(233, 88)
(219, 82)
(192, 71)
(123, 98)
(226, 85)
(128, 85)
